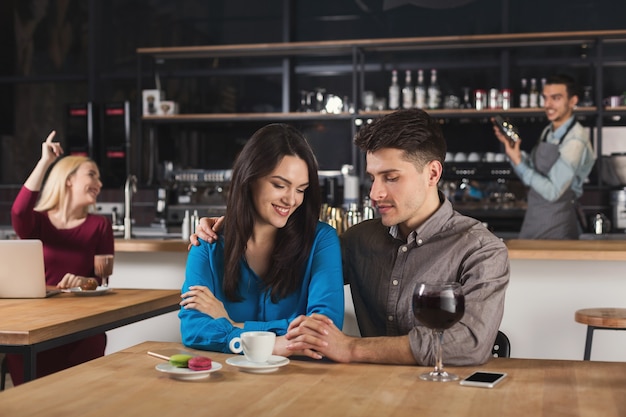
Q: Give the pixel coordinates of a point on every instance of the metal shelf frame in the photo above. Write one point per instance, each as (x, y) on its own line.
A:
(364, 55)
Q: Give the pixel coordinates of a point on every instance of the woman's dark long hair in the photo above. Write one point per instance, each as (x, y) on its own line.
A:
(258, 158)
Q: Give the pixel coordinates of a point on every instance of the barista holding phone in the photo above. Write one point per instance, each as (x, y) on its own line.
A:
(556, 168)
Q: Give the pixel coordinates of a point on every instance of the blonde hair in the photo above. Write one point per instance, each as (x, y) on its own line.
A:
(54, 190)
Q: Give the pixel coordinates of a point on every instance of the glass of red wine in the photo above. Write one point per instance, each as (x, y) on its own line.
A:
(438, 306)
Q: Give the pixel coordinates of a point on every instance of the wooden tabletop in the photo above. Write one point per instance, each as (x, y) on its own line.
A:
(30, 321)
(126, 383)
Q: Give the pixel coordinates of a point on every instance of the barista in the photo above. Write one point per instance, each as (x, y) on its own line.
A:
(556, 167)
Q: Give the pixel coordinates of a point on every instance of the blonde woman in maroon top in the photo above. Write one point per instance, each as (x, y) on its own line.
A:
(59, 215)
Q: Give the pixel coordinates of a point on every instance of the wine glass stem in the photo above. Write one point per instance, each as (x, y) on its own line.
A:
(438, 339)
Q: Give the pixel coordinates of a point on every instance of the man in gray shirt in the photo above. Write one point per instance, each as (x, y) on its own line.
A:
(418, 237)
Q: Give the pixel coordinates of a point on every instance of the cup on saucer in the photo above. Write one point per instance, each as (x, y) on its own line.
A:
(257, 347)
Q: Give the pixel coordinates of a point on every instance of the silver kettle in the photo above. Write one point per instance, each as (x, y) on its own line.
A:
(601, 224)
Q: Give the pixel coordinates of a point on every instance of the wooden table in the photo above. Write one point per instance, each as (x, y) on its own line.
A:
(127, 384)
(28, 326)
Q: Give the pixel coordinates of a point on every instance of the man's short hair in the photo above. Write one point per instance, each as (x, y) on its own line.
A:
(412, 131)
(568, 81)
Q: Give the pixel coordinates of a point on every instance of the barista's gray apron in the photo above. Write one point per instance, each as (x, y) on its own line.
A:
(545, 219)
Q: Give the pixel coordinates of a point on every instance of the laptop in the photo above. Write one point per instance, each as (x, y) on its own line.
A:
(22, 273)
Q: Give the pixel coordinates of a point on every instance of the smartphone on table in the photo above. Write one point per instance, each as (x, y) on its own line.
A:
(483, 379)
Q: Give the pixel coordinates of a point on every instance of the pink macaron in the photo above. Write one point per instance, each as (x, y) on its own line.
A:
(199, 363)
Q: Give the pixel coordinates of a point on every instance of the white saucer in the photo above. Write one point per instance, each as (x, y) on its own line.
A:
(88, 293)
(186, 374)
(271, 365)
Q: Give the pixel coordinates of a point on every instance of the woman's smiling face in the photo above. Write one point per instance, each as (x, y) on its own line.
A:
(277, 195)
(85, 184)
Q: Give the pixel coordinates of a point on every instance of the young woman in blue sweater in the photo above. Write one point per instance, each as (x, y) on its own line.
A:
(274, 260)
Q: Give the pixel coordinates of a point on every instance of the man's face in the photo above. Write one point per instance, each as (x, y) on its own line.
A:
(558, 105)
(403, 194)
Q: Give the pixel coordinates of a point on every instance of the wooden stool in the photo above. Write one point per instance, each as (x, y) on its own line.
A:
(600, 318)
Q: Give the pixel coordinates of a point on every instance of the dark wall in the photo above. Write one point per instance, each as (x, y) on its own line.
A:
(61, 52)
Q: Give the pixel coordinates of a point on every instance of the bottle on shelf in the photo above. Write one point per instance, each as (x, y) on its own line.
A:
(467, 102)
(434, 92)
(420, 90)
(407, 91)
(542, 99)
(394, 91)
(533, 94)
(186, 226)
(523, 94)
(587, 100)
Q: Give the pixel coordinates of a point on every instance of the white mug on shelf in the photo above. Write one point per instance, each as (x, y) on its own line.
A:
(613, 101)
(473, 157)
(460, 157)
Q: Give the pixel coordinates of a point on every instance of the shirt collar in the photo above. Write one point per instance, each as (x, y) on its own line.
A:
(558, 134)
(433, 225)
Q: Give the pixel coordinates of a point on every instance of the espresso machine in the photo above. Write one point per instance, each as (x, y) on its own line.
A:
(197, 192)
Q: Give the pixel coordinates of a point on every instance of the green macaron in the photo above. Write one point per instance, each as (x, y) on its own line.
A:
(180, 360)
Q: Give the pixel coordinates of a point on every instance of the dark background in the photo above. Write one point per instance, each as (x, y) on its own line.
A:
(54, 53)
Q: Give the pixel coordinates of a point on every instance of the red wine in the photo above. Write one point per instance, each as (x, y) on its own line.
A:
(437, 312)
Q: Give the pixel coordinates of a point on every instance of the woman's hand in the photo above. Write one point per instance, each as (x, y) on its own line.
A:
(306, 336)
(319, 334)
(71, 281)
(50, 151)
(200, 298)
(281, 348)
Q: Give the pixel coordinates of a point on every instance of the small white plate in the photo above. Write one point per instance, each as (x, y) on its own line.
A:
(88, 293)
(186, 374)
(271, 365)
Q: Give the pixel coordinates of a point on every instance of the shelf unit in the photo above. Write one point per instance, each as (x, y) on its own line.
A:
(362, 56)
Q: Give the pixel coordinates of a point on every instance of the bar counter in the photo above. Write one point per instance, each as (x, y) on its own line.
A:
(592, 250)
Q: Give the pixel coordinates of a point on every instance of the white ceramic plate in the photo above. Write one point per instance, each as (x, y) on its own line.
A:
(186, 374)
(271, 365)
(88, 293)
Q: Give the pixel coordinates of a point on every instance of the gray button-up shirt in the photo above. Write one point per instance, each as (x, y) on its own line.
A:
(383, 272)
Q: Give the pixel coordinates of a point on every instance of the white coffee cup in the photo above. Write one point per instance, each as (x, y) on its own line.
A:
(256, 346)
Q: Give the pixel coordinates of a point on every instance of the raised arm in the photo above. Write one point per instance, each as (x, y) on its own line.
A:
(50, 152)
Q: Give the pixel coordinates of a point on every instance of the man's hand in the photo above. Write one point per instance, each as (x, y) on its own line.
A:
(206, 230)
(281, 348)
(513, 152)
(319, 333)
